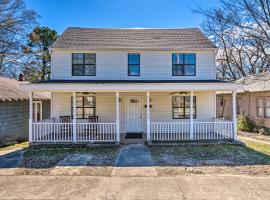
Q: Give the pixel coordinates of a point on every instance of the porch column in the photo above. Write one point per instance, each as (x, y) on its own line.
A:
(74, 122)
(117, 121)
(234, 115)
(148, 121)
(30, 117)
(191, 116)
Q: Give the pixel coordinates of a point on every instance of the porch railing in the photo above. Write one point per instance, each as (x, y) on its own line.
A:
(97, 132)
(63, 132)
(181, 131)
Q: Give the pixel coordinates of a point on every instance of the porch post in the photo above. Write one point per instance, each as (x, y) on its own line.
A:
(191, 116)
(148, 121)
(234, 115)
(74, 122)
(30, 116)
(117, 121)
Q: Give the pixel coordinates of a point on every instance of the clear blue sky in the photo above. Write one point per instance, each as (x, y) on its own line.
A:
(59, 14)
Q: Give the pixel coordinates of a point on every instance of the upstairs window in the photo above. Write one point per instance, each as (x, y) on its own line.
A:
(134, 64)
(183, 64)
(83, 64)
(181, 107)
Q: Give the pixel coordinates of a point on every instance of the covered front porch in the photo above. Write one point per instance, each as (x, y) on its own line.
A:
(95, 115)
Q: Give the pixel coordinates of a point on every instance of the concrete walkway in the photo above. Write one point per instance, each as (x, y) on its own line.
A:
(253, 140)
(134, 155)
(150, 188)
(11, 158)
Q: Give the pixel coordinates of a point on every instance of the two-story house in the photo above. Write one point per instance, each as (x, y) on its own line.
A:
(108, 84)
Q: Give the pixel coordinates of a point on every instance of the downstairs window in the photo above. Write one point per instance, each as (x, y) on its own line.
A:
(181, 107)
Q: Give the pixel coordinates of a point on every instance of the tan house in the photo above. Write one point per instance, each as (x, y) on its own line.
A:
(111, 84)
(253, 100)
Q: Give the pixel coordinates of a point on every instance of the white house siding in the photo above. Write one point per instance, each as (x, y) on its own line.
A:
(161, 110)
(113, 65)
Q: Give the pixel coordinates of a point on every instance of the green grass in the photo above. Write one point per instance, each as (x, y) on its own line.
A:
(15, 146)
(259, 147)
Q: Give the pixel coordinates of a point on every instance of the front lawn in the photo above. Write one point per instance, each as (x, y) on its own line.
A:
(46, 157)
(211, 155)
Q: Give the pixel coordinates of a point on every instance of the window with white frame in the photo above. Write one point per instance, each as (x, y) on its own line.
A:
(37, 111)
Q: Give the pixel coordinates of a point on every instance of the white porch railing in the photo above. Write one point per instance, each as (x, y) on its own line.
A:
(96, 132)
(43, 132)
(180, 131)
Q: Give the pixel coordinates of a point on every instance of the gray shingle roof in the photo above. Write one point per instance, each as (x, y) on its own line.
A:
(158, 39)
(11, 89)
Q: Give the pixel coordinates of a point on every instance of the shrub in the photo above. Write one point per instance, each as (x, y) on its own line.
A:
(245, 124)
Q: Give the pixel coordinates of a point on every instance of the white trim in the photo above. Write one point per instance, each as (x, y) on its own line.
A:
(142, 118)
(234, 114)
(191, 116)
(30, 116)
(148, 117)
(131, 87)
(117, 120)
(74, 125)
(40, 109)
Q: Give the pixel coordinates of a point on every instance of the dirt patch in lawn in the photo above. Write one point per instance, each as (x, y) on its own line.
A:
(42, 157)
(211, 155)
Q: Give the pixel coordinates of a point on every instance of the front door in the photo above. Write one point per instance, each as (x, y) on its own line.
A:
(134, 114)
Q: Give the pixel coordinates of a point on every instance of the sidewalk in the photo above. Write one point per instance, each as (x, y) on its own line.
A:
(179, 187)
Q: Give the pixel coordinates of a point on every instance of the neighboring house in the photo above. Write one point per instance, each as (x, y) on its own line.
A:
(112, 84)
(253, 100)
(14, 110)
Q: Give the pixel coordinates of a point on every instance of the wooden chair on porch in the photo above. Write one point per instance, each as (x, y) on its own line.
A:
(65, 128)
(92, 129)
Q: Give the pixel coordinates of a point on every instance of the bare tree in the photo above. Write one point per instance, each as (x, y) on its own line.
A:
(241, 31)
(15, 23)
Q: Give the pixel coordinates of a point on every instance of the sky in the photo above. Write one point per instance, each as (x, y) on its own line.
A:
(60, 14)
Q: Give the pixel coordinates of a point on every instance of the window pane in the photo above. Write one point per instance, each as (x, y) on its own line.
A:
(134, 70)
(77, 70)
(77, 58)
(267, 102)
(89, 102)
(90, 70)
(189, 70)
(90, 58)
(88, 112)
(260, 102)
(260, 112)
(79, 112)
(187, 102)
(79, 101)
(178, 70)
(267, 112)
(178, 101)
(178, 113)
(134, 58)
(178, 58)
(190, 58)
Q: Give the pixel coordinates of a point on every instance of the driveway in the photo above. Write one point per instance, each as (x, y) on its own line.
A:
(179, 187)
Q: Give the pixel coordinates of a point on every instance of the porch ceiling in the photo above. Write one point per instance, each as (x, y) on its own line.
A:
(132, 85)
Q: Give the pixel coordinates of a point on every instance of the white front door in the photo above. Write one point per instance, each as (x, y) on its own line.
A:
(134, 114)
